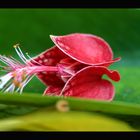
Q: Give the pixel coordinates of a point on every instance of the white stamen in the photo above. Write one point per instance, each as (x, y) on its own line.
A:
(32, 59)
(23, 56)
(4, 79)
(8, 61)
(26, 82)
(2, 60)
(14, 60)
(6, 86)
(17, 78)
(10, 88)
(20, 54)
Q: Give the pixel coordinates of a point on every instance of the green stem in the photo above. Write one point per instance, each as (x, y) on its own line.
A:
(37, 100)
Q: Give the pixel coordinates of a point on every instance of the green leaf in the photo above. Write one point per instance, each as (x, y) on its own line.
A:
(51, 120)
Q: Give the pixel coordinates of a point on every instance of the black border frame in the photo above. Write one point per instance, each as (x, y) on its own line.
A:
(69, 3)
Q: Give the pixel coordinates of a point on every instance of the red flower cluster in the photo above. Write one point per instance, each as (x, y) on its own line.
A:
(81, 60)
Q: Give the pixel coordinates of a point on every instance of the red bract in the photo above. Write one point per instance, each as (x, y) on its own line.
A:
(82, 60)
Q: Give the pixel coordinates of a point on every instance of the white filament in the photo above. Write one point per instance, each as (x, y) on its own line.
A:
(4, 79)
(33, 59)
(20, 54)
(6, 83)
(11, 88)
(26, 82)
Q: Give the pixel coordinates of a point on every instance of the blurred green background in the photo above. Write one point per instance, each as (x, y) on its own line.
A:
(119, 27)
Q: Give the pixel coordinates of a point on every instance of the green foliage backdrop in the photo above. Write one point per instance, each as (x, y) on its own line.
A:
(119, 27)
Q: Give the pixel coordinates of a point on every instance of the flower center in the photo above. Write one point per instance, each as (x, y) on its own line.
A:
(19, 74)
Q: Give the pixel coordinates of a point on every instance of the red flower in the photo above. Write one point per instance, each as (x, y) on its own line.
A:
(74, 67)
(82, 60)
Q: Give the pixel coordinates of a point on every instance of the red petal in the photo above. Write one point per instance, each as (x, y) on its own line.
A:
(100, 70)
(53, 90)
(50, 57)
(71, 64)
(85, 48)
(106, 64)
(87, 83)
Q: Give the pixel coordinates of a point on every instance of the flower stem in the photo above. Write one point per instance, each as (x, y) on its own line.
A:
(37, 100)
